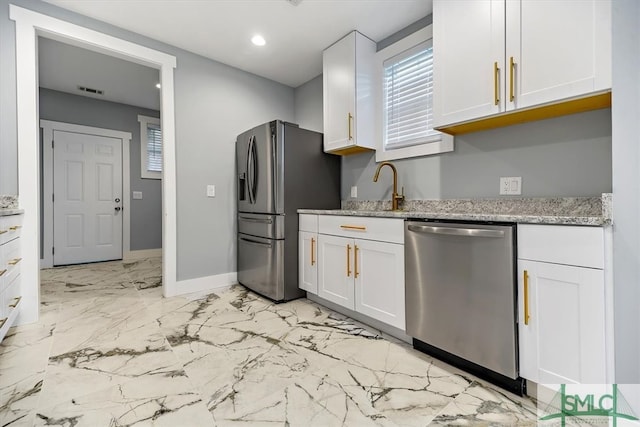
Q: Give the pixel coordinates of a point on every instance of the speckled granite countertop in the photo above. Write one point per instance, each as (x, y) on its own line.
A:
(9, 205)
(558, 210)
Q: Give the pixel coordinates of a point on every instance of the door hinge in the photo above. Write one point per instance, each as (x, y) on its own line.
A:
(52, 143)
(53, 250)
(53, 197)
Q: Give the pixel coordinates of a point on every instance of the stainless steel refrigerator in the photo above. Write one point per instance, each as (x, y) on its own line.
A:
(281, 168)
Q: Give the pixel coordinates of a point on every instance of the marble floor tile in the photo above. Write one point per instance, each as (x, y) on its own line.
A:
(109, 350)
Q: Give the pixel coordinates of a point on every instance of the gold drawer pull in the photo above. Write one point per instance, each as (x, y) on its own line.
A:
(14, 261)
(526, 297)
(355, 261)
(2, 272)
(350, 120)
(3, 231)
(496, 82)
(348, 260)
(15, 302)
(512, 66)
(313, 258)
(14, 228)
(2, 322)
(353, 227)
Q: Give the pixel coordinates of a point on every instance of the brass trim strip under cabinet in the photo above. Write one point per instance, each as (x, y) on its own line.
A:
(313, 258)
(2, 322)
(14, 261)
(15, 302)
(512, 66)
(496, 82)
(348, 260)
(526, 297)
(355, 261)
(354, 227)
(350, 119)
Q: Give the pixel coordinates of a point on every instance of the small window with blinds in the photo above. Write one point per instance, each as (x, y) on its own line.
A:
(408, 98)
(405, 95)
(150, 147)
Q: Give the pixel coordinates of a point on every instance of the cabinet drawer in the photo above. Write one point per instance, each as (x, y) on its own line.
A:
(559, 244)
(10, 260)
(357, 227)
(12, 294)
(307, 222)
(10, 227)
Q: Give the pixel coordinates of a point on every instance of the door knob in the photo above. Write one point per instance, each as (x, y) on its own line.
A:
(117, 200)
(118, 208)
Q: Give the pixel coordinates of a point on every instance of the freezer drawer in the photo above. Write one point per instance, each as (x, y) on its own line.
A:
(267, 226)
(261, 266)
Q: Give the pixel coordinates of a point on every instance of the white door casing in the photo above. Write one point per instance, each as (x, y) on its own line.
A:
(88, 198)
(28, 26)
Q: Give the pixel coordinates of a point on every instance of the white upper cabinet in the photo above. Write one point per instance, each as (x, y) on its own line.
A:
(348, 103)
(495, 56)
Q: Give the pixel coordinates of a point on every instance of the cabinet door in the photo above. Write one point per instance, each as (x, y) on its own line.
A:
(564, 340)
(339, 71)
(335, 270)
(379, 281)
(308, 261)
(468, 45)
(560, 48)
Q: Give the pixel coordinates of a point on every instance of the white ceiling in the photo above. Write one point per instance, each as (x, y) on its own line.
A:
(222, 29)
(64, 67)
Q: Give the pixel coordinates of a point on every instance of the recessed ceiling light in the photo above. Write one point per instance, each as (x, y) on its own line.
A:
(158, 85)
(258, 40)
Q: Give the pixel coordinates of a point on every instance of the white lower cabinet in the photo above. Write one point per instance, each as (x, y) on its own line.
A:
(308, 261)
(562, 321)
(10, 257)
(357, 272)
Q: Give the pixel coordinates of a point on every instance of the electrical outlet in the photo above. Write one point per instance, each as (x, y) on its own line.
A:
(354, 192)
(510, 185)
(211, 191)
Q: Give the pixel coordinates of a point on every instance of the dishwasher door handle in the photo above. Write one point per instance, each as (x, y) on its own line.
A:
(451, 231)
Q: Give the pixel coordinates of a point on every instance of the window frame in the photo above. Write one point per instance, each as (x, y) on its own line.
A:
(145, 121)
(435, 144)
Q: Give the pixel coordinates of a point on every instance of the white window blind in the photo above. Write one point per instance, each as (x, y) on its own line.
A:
(154, 148)
(408, 98)
(150, 148)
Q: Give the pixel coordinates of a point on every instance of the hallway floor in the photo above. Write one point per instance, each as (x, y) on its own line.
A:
(110, 351)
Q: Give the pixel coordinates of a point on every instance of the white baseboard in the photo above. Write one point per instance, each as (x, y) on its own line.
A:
(144, 253)
(203, 284)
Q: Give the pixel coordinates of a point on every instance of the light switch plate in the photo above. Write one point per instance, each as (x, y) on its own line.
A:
(510, 185)
(354, 192)
(211, 191)
(137, 195)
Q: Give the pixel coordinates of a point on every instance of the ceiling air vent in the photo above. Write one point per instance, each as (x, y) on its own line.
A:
(91, 90)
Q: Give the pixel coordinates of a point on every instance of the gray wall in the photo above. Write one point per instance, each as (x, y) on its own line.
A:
(308, 105)
(213, 104)
(626, 188)
(146, 214)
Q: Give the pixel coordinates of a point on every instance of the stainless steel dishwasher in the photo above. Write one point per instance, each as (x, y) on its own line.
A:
(461, 296)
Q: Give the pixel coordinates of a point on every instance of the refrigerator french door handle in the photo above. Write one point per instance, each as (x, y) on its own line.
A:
(254, 164)
(250, 171)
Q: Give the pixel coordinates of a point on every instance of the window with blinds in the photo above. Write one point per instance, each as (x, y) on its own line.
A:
(154, 148)
(408, 98)
(150, 147)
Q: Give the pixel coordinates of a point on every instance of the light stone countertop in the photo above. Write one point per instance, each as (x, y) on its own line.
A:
(9, 205)
(594, 211)
(7, 212)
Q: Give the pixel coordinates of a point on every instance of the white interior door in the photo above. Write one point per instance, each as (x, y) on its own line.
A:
(87, 184)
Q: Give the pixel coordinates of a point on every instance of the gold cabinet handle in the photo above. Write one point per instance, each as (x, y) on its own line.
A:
(3, 231)
(355, 261)
(15, 302)
(350, 119)
(2, 322)
(348, 260)
(14, 261)
(512, 66)
(14, 227)
(313, 258)
(353, 227)
(526, 297)
(2, 272)
(496, 83)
